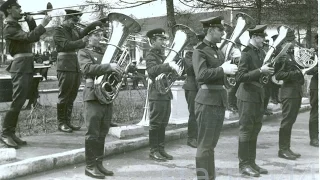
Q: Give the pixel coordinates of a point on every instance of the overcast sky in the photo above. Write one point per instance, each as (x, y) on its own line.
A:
(157, 8)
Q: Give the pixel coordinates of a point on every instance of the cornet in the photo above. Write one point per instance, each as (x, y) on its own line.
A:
(50, 8)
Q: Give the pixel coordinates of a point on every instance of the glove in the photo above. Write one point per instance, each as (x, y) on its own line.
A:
(90, 27)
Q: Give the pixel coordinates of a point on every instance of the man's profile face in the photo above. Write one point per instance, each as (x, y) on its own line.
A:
(159, 42)
(15, 12)
(259, 40)
(216, 34)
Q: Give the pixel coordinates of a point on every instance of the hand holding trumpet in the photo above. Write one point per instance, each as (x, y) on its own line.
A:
(46, 20)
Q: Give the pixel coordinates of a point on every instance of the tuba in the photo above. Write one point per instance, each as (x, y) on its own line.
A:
(183, 35)
(244, 22)
(264, 79)
(107, 86)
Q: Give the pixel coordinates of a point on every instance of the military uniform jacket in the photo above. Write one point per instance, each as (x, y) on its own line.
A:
(18, 42)
(292, 79)
(91, 67)
(155, 66)
(190, 81)
(248, 75)
(206, 60)
(67, 40)
(314, 79)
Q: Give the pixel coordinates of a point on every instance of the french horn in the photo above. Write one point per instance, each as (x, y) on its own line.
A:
(108, 86)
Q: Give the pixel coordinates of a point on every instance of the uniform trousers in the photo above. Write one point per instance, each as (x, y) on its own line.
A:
(314, 117)
(69, 83)
(210, 120)
(159, 114)
(192, 122)
(21, 83)
(290, 110)
(250, 123)
(98, 117)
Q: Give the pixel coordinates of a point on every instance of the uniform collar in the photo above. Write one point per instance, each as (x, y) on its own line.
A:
(93, 48)
(210, 44)
(253, 47)
(156, 51)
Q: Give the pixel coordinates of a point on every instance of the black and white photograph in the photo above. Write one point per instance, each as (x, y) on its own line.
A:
(159, 90)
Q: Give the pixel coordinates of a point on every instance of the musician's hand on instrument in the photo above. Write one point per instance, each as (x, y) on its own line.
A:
(85, 39)
(116, 68)
(266, 69)
(45, 21)
(174, 66)
(28, 18)
(229, 68)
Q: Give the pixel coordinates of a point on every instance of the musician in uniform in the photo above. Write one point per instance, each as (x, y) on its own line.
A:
(250, 96)
(68, 40)
(211, 99)
(159, 104)
(21, 68)
(314, 117)
(190, 89)
(274, 89)
(97, 114)
(290, 96)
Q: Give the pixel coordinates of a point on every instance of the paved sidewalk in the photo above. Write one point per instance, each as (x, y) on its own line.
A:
(50, 151)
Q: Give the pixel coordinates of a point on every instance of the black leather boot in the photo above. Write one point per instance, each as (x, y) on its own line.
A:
(91, 164)
(61, 116)
(100, 153)
(161, 138)
(252, 157)
(314, 133)
(8, 128)
(19, 141)
(154, 148)
(284, 145)
(244, 161)
(297, 155)
(69, 108)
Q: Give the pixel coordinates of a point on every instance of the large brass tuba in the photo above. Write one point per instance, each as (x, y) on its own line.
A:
(183, 35)
(107, 86)
(244, 22)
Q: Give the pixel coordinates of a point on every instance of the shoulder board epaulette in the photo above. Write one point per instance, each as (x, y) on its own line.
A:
(246, 49)
(201, 46)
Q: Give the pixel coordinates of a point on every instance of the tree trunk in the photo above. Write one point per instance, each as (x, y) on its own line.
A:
(170, 17)
(259, 10)
(308, 33)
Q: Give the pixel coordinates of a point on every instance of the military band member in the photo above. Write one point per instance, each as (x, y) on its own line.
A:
(190, 87)
(21, 68)
(314, 116)
(97, 114)
(159, 104)
(290, 96)
(68, 40)
(211, 99)
(250, 96)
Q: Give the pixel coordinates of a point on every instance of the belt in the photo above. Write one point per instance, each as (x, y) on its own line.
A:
(211, 86)
(89, 80)
(66, 53)
(23, 55)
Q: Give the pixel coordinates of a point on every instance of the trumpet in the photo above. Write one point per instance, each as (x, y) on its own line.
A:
(50, 8)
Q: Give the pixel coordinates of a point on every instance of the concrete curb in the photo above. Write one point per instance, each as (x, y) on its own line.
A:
(49, 162)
